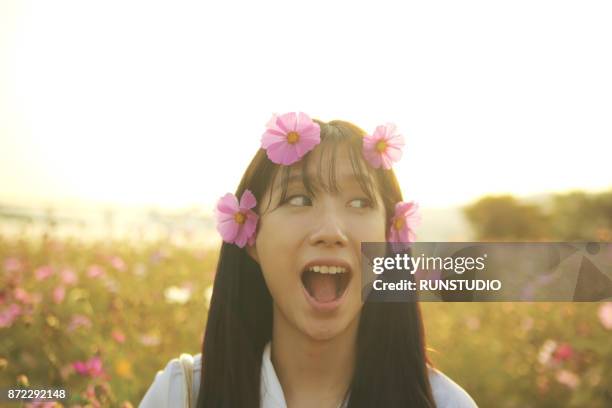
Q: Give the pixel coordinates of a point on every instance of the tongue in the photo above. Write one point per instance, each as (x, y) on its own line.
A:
(322, 287)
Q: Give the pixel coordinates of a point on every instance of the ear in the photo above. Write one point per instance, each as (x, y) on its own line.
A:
(252, 251)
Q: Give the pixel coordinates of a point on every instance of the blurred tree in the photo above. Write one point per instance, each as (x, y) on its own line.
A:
(573, 216)
(579, 216)
(504, 218)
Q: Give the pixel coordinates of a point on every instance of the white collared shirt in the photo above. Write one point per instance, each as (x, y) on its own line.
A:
(167, 389)
(271, 392)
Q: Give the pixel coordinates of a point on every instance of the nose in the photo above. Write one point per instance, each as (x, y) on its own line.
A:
(328, 230)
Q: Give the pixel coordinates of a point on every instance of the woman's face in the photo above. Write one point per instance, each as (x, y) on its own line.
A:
(309, 249)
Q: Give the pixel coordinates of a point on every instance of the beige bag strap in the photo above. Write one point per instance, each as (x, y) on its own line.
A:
(187, 365)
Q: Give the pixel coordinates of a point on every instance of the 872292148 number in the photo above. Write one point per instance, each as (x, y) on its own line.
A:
(33, 394)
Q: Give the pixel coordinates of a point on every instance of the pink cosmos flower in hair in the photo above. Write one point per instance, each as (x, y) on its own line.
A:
(405, 219)
(236, 222)
(383, 147)
(289, 137)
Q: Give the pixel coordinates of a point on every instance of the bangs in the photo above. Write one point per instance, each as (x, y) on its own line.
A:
(335, 135)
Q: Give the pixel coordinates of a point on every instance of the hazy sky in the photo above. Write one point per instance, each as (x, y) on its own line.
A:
(163, 103)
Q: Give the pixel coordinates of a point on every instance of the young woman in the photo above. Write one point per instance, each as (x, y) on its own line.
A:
(287, 326)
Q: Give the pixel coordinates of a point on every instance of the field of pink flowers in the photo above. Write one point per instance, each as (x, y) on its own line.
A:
(100, 319)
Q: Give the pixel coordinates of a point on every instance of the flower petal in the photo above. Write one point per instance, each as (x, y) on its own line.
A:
(389, 129)
(403, 207)
(386, 161)
(287, 122)
(242, 237)
(274, 139)
(369, 142)
(223, 217)
(303, 122)
(393, 151)
(271, 124)
(271, 137)
(413, 209)
(393, 154)
(373, 158)
(304, 146)
(247, 201)
(241, 240)
(282, 153)
(311, 133)
(379, 133)
(247, 230)
(411, 235)
(408, 211)
(228, 230)
(404, 234)
(396, 140)
(228, 204)
(393, 235)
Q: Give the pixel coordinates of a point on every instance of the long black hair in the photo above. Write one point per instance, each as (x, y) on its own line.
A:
(391, 363)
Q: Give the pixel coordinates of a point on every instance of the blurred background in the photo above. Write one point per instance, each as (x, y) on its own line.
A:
(122, 122)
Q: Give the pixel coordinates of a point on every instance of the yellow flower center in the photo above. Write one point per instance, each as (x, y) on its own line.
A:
(381, 146)
(398, 224)
(239, 218)
(293, 137)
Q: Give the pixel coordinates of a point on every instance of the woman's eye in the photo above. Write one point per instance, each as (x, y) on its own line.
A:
(299, 200)
(360, 203)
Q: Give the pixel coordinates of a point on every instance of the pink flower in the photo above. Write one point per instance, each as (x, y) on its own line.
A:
(79, 321)
(605, 315)
(95, 271)
(69, 277)
(58, 294)
(383, 147)
(118, 336)
(289, 137)
(404, 221)
(8, 315)
(563, 352)
(567, 378)
(12, 264)
(22, 295)
(236, 222)
(43, 272)
(92, 367)
(117, 263)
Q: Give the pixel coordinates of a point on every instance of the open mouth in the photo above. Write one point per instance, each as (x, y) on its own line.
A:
(326, 283)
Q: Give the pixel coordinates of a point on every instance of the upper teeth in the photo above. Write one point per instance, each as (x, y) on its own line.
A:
(327, 269)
